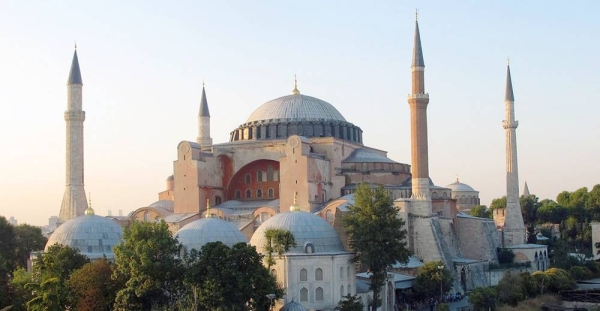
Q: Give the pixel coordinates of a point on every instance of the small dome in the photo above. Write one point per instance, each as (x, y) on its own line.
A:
(171, 178)
(164, 204)
(296, 107)
(293, 306)
(205, 230)
(306, 228)
(458, 186)
(94, 236)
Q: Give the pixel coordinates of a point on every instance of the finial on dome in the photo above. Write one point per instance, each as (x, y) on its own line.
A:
(76, 45)
(89, 211)
(457, 177)
(295, 91)
(208, 215)
(508, 61)
(295, 207)
(416, 14)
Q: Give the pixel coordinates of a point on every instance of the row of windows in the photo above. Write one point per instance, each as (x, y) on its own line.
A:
(319, 293)
(269, 175)
(259, 194)
(319, 274)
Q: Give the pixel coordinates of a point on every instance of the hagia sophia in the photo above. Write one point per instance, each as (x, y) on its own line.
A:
(294, 164)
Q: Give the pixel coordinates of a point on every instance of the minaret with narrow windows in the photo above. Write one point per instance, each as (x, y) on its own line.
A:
(513, 230)
(418, 101)
(74, 202)
(204, 139)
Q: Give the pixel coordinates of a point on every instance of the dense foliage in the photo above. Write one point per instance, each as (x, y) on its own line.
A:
(433, 281)
(350, 303)
(376, 234)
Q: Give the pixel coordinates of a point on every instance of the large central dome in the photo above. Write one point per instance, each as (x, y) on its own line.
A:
(296, 107)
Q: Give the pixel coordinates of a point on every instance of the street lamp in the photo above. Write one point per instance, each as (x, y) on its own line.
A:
(271, 297)
(440, 268)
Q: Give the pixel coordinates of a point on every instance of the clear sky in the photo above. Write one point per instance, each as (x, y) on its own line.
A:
(143, 63)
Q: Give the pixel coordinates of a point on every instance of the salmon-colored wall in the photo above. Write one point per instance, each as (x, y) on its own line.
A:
(238, 182)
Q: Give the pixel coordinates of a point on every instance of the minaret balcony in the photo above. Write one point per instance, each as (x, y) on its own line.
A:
(509, 124)
(418, 96)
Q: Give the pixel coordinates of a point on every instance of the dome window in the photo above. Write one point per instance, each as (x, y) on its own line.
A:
(309, 248)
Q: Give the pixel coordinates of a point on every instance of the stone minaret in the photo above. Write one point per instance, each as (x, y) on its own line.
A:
(418, 102)
(514, 228)
(204, 139)
(74, 201)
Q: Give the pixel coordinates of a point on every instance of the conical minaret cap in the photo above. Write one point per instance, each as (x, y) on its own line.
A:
(75, 73)
(417, 59)
(203, 105)
(508, 95)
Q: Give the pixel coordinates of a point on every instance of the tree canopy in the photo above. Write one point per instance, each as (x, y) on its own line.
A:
(376, 234)
(28, 239)
(481, 211)
(433, 279)
(92, 287)
(350, 303)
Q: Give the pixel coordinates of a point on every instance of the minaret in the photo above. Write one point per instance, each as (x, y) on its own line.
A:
(418, 102)
(74, 202)
(526, 190)
(204, 139)
(514, 228)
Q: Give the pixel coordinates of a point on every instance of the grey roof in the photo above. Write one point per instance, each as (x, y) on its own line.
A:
(508, 95)
(527, 246)
(458, 186)
(417, 60)
(306, 228)
(94, 236)
(178, 217)
(296, 107)
(362, 286)
(364, 155)
(201, 231)
(203, 105)
(75, 73)
(293, 306)
(164, 204)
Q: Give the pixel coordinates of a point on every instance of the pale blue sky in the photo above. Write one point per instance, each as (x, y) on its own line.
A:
(143, 63)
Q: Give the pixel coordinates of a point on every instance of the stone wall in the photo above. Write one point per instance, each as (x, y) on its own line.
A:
(478, 238)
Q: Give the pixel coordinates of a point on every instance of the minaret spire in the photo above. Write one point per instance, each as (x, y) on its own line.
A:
(418, 101)
(513, 228)
(204, 139)
(74, 202)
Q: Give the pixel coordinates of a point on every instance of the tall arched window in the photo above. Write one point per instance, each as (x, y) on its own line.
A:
(248, 179)
(319, 274)
(304, 294)
(147, 216)
(238, 194)
(271, 193)
(341, 273)
(342, 291)
(259, 176)
(303, 275)
(218, 200)
(274, 272)
(248, 194)
(319, 294)
(259, 193)
(349, 289)
(348, 272)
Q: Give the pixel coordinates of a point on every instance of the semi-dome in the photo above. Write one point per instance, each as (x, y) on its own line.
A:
(205, 230)
(164, 204)
(296, 107)
(94, 236)
(312, 233)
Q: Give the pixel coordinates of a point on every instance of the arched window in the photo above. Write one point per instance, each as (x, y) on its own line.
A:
(319, 294)
(274, 272)
(238, 194)
(248, 179)
(259, 193)
(147, 216)
(259, 176)
(348, 272)
(342, 291)
(309, 248)
(341, 273)
(319, 274)
(303, 275)
(248, 194)
(271, 193)
(218, 200)
(304, 294)
(349, 289)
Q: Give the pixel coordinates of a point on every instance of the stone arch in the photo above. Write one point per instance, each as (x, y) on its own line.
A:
(245, 179)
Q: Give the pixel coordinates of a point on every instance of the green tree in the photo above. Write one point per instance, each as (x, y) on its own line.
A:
(7, 258)
(28, 238)
(433, 280)
(230, 279)
(19, 294)
(350, 303)
(529, 206)
(498, 203)
(148, 265)
(593, 203)
(481, 211)
(92, 286)
(50, 278)
(483, 298)
(559, 280)
(550, 211)
(510, 289)
(376, 234)
(279, 241)
(505, 255)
